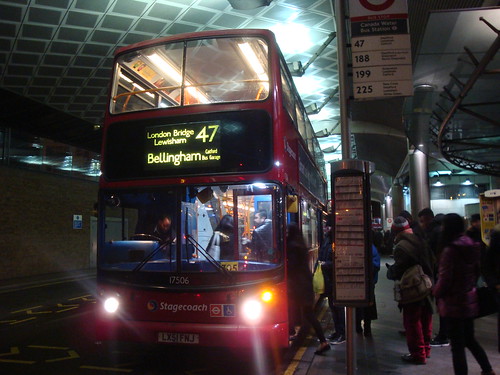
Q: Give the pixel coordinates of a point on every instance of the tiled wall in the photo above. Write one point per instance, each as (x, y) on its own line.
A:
(36, 222)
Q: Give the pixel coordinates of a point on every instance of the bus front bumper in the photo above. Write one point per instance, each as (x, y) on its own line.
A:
(207, 335)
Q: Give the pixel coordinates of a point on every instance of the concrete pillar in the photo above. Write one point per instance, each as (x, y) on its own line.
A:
(398, 202)
(419, 182)
(494, 182)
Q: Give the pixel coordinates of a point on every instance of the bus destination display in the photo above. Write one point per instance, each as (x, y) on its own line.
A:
(187, 145)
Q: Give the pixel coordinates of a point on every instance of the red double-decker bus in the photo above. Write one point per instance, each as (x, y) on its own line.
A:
(207, 156)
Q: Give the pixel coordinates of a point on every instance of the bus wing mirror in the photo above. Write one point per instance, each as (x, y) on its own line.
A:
(292, 204)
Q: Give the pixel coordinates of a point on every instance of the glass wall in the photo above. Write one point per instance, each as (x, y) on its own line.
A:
(28, 151)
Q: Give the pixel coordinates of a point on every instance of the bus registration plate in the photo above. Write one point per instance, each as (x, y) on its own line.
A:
(179, 338)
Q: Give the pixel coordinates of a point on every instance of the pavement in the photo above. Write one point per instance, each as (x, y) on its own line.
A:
(381, 354)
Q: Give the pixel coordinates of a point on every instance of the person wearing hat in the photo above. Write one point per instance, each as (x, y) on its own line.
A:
(410, 249)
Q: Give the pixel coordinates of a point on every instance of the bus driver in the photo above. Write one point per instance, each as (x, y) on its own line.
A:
(261, 242)
(164, 229)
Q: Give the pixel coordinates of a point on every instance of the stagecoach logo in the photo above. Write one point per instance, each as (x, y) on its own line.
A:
(175, 307)
(152, 305)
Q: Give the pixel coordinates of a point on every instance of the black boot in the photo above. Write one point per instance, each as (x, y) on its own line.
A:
(367, 328)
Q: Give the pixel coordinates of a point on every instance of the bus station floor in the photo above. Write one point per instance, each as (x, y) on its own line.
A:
(381, 354)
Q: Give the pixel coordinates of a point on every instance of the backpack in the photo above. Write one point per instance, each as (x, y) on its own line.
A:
(413, 286)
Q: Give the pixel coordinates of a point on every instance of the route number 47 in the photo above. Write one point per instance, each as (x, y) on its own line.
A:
(207, 133)
(359, 43)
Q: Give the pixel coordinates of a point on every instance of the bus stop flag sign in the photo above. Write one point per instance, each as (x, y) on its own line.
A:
(381, 50)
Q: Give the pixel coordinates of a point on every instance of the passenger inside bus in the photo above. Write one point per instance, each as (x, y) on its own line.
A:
(221, 244)
(261, 242)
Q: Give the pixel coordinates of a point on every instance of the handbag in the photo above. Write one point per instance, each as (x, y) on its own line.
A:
(413, 286)
(487, 301)
(318, 280)
(214, 250)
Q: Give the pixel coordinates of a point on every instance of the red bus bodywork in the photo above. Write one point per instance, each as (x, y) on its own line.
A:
(207, 312)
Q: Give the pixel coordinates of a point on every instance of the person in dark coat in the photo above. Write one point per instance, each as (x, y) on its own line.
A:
(262, 237)
(300, 282)
(369, 313)
(326, 262)
(409, 250)
(492, 262)
(455, 290)
(223, 236)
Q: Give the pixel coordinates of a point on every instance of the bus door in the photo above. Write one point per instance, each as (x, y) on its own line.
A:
(257, 223)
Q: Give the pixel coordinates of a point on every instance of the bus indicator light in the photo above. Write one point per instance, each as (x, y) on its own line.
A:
(266, 296)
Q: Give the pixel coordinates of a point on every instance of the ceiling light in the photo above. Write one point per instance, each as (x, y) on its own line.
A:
(248, 4)
(438, 183)
(467, 182)
(293, 37)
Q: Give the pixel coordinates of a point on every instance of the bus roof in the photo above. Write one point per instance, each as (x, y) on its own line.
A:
(199, 35)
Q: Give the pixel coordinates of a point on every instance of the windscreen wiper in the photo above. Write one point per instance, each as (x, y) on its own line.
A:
(219, 267)
(151, 255)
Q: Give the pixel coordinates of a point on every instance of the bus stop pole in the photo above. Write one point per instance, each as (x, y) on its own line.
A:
(339, 9)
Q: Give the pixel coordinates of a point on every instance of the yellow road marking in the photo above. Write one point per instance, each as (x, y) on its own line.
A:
(71, 355)
(15, 321)
(24, 310)
(295, 361)
(14, 350)
(17, 361)
(69, 307)
(23, 320)
(30, 312)
(83, 298)
(47, 347)
(107, 368)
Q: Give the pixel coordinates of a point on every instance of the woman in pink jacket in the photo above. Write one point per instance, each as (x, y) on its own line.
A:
(455, 291)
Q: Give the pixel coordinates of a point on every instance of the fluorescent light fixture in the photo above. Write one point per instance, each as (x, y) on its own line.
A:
(176, 76)
(254, 62)
(166, 68)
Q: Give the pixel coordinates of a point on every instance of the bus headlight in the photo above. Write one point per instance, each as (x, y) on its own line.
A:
(252, 311)
(111, 304)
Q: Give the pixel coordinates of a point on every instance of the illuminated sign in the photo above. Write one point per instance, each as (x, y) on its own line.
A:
(183, 145)
(188, 145)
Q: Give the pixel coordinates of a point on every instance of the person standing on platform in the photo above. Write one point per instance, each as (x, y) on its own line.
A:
(474, 232)
(431, 230)
(326, 261)
(365, 315)
(410, 250)
(300, 282)
(455, 290)
(492, 270)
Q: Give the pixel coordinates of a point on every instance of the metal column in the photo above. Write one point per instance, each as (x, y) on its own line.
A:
(419, 182)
